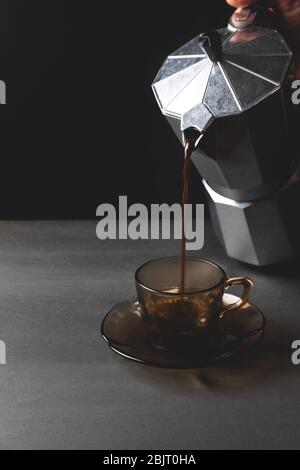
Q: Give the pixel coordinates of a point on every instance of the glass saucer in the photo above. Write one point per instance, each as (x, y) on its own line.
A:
(128, 335)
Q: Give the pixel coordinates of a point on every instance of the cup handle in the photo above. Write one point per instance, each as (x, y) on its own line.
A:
(238, 281)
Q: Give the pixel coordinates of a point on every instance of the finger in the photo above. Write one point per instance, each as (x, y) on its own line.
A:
(241, 3)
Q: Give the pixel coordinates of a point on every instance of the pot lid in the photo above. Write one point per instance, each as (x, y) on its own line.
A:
(223, 73)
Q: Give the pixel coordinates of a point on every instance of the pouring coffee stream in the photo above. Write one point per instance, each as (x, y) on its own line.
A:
(191, 139)
(188, 149)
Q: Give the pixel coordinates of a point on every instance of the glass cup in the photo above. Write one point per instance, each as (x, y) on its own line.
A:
(176, 319)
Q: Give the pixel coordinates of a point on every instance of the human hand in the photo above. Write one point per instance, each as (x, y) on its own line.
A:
(288, 12)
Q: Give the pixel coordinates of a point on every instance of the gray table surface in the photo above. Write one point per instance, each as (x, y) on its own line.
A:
(62, 388)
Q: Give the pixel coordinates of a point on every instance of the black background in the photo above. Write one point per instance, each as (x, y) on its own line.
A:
(81, 125)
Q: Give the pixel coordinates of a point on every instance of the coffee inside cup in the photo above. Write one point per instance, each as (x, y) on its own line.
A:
(180, 315)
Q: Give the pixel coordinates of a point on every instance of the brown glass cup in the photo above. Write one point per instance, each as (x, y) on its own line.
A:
(173, 318)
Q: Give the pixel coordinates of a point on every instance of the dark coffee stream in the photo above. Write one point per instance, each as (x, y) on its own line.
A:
(188, 150)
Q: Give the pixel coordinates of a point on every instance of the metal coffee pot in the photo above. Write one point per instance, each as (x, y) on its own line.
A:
(232, 86)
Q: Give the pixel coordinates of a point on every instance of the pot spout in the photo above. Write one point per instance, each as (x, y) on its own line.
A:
(195, 122)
